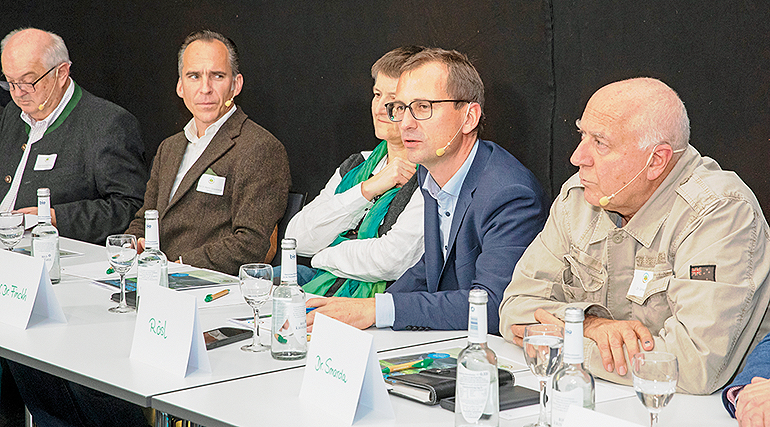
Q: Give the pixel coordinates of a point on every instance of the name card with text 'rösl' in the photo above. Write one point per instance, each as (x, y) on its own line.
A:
(342, 374)
(167, 334)
(26, 292)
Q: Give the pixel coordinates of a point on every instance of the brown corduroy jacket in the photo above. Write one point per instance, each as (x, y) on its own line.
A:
(220, 232)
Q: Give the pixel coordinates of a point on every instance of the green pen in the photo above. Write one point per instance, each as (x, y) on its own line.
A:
(424, 363)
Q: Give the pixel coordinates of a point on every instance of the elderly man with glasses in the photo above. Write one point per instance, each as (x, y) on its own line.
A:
(482, 207)
(54, 134)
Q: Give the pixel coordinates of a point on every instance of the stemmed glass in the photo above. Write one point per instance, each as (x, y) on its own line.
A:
(655, 375)
(543, 351)
(121, 252)
(256, 282)
(11, 229)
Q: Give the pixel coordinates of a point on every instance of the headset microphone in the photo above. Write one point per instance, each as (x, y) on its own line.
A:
(229, 102)
(41, 106)
(604, 201)
(440, 152)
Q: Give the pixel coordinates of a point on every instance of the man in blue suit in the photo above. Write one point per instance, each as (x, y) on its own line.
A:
(747, 398)
(482, 206)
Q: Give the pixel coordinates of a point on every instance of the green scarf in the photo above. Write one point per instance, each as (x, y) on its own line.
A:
(369, 229)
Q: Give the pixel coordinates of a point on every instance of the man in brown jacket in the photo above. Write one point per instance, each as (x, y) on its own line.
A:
(220, 186)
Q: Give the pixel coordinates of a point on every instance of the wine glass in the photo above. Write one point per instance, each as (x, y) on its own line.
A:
(256, 281)
(11, 229)
(655, 375)
(121, 252)
(543, 351)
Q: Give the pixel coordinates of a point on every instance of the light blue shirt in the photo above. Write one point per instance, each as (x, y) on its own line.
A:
(446, 198)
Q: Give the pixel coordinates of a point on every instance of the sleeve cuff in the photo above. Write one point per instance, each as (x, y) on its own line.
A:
(385, 310)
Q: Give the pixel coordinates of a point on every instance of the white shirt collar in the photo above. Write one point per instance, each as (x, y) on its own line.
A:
(191, 131)
(56, 112)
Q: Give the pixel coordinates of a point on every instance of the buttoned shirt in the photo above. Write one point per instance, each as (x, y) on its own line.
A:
(37, 129)
(691, 265)
(446, 196)
(196, 146)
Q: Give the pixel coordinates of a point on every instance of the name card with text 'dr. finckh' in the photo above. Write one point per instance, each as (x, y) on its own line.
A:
(26, 293)
(342, 375)
(167, 333)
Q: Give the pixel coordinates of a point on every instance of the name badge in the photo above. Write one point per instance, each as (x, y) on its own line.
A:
(639, 283)
(211, 184)
(45, 162)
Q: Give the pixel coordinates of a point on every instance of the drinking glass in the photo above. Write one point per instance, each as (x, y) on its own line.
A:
(121, 252)
(543, 351)
(655, 375)
(11, 229)
(256, 282)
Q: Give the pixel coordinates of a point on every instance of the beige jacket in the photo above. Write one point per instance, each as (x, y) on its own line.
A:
(701, 240)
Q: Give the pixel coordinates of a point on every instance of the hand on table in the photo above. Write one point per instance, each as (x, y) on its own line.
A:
(357, 312)
(753, 406)
(139, 245)
(33, 211)
(609, 335)
(395, 174)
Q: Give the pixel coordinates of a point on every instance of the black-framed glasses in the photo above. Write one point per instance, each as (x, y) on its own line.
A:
(26, 87)
(421, 109)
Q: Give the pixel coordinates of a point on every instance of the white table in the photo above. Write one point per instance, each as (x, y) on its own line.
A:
(93, 347)
(272, 399)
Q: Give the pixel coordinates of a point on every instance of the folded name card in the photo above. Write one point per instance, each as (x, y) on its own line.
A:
(26, 291)
(167, 333)
(342, 375)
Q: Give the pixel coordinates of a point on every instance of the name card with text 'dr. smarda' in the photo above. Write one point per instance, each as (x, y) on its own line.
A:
(167, 334)
(342, 375)
(26, 292)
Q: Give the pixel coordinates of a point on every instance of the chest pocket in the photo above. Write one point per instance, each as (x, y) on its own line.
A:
(584, 277)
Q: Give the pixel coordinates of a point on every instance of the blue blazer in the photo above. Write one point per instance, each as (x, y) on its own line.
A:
(757, 365)
(500, 210)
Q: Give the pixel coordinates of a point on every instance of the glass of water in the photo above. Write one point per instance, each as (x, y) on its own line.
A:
(121, 252)
(256, 281)
(11, 229)
(543, 351)
(655, 375)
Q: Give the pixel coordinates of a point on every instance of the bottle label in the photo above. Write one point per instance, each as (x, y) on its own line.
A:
(477, 323)
(43, 210)
(561, 403)
(147, 276)
(151, 234)
(288, 266)
(472, 392)
(45, 248)
(573, 342)
(289, 323)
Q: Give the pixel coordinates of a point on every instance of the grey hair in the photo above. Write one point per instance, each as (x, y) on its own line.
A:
(210, 36)
(56, 53)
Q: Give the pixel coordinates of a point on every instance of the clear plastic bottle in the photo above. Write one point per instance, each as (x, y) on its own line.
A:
(45, 237)
(152, 264)
(289, 321)
(477, 401)
(572, 383)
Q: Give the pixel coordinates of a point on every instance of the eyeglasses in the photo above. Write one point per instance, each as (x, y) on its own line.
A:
(421, 109)
(26, 87)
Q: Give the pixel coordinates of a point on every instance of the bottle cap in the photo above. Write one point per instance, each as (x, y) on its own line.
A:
(289, 243)
(151, 214)
(41, 192)
(574, 314)
(477, 296)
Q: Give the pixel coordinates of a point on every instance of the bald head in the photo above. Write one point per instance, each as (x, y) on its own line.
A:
(37, 64)
(647, 108)
(32, 44)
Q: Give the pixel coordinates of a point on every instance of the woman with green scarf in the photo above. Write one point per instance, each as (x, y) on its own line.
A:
(365, 229)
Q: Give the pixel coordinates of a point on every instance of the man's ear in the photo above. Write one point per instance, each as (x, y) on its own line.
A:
(661, 156)
(472, 118)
